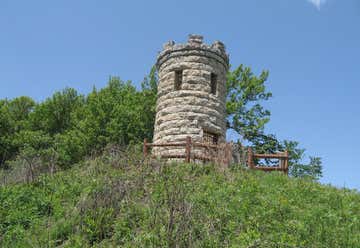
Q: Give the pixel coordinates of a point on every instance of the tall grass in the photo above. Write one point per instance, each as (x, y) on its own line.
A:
(119, 200)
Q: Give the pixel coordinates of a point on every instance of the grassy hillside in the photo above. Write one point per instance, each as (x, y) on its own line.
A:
(116, 200)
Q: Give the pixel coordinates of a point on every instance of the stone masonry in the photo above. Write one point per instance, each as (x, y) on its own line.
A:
(191, 93)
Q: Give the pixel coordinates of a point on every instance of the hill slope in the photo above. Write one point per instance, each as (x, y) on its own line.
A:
(115, 201)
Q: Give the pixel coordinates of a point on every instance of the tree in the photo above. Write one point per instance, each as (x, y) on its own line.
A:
(70, 147)
(20, 108)
(6, 131)
(32, 146)
(55, 114)
(13, 118)
(312, 170)
(148, 95)
(245, 92)
(118, 114)
(247, 117)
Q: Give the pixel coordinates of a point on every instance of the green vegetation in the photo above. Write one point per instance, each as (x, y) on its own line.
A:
(65, 182)
(68, 126)
(118, 200)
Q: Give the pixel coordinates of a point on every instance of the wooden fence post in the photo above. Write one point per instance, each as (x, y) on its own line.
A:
(250, 158)
(286, 163)
(282, 163)
(145, 148)
(228, 152)
(188, 149)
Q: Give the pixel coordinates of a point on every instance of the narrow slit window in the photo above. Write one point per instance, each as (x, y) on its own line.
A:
(213, 83)
(178, 79)
(210, 138)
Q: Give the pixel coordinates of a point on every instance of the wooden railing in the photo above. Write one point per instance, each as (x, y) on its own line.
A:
(223, 159)
(283, 158)
(189, 155)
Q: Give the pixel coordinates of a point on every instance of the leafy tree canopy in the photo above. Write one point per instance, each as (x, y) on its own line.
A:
(72, 126)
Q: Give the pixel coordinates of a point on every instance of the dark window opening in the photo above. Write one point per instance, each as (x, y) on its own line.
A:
(210, 138)
(178, 79)
(213, 83)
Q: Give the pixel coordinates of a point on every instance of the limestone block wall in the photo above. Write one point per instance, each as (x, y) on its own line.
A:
(192, 109)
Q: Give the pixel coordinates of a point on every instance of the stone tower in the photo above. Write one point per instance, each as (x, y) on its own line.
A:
(191, 93)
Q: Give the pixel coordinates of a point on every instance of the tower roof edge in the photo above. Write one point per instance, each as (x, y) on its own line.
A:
(194, 46)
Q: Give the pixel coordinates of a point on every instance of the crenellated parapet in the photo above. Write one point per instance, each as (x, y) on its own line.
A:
(194, 47)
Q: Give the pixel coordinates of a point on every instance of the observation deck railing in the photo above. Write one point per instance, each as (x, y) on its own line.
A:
(220, 154)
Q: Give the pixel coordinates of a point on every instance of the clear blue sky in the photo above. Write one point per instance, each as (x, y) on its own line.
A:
(312, 53)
